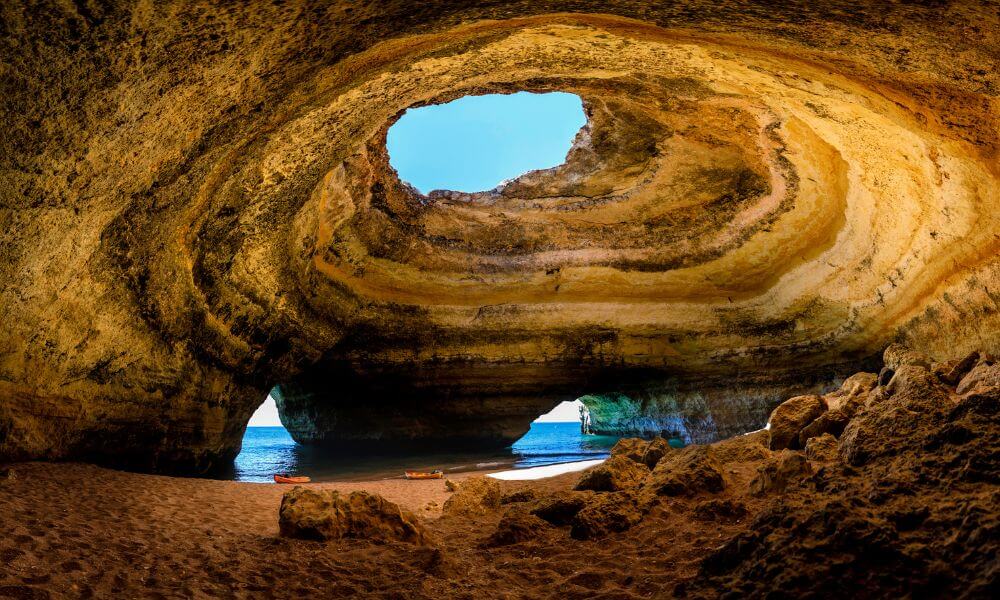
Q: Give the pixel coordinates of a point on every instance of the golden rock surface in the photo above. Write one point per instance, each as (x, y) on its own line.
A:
(197, 206)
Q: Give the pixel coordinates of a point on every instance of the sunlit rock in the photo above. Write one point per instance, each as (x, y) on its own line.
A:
(791, 417)
(615, 474)
(324, 515)
(198, 206)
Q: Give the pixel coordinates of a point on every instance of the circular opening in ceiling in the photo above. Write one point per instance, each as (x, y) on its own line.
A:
(477, 143)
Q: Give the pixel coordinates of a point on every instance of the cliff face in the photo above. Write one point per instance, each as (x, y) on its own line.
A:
(197, 205)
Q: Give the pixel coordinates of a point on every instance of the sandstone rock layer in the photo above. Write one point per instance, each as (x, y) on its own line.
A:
(197, 205)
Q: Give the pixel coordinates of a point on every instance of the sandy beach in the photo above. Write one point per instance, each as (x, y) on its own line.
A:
(80, 531)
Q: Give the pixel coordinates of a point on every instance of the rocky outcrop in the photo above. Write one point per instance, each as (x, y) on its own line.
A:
(615, 474)
(791, 417)
(777, 473)
(909, 510)
(475, 495)
(324, 515)
(686, 472)
(743, 448)
(822, 448)
(197, 206)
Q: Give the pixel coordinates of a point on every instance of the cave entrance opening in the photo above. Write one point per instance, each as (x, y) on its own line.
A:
(559, 437)
(268, 448)
(476, 143)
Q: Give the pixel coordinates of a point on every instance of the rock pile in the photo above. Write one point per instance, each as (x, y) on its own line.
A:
(901, 496)
(905, 502)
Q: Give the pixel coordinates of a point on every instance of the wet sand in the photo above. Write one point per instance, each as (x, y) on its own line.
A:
(79, 531)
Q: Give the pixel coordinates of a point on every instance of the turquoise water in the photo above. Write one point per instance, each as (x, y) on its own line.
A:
(270, 450)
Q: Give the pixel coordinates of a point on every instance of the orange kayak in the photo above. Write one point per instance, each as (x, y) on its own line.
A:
(419, 475)
(287, 479)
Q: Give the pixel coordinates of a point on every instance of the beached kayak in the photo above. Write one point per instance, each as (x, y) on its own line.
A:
(419, 475)
(288, 479)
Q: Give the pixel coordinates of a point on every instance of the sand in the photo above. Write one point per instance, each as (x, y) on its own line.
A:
(79, 531)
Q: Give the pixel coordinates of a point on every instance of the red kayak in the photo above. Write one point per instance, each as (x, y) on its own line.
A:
(418, 475)
(289, 479)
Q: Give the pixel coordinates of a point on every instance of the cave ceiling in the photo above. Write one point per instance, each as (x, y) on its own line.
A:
(197, 205)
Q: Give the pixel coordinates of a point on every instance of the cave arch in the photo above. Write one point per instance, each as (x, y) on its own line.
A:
(751, 206)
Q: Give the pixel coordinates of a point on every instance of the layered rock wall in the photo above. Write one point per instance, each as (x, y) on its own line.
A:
(197, 205)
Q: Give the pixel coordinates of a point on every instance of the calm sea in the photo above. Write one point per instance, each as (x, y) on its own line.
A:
(270, 450)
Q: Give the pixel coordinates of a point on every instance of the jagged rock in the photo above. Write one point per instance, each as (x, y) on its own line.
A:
(656, 449)
(560, 508)
(951, 372)
(743, 448)
(631, 448)
(450, 485)
(822, 448)
(885, 376)
(474, 496)
(720, 510)
(323, 515)
(790, 417)
(912, 514)
(518, 496)
(606, 513)
(852, 392)
(897, 355)
(831, 422)
(687, 472)
(615, 474)
(983, 378)
(913, 397)
(516, 526)
(778, 472)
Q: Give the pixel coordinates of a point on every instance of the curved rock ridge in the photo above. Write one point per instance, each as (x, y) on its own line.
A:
(201, 207)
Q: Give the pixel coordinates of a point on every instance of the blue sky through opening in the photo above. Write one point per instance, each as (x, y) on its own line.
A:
(474, 143)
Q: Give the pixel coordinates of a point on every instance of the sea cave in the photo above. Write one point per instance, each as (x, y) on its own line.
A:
(772, 239)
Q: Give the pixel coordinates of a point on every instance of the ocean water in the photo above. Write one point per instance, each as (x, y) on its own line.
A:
(270, 450)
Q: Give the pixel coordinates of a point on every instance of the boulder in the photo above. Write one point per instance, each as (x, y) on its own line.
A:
(656, 449)
(822, 448)
(606, 513)
(686, 472)
(790, 417)
(560, 508)
(516, 526)
(853, 391)
(323, 515)
(475, 496)
(615, 474)
(778, 472)
(743, 448)
(983, 378)
(898, 355)
(831, 422)
(890, 422)
(631, 448)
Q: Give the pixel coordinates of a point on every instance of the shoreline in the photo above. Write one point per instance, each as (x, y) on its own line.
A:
(275, 452)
